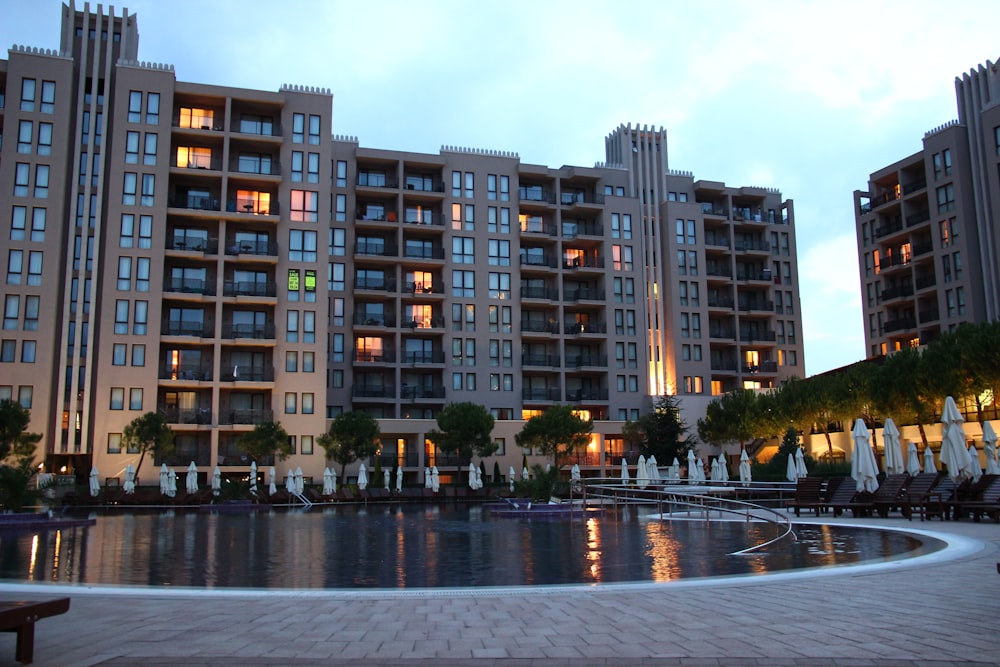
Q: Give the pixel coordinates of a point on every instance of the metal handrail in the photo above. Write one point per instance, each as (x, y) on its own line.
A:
(676, 495)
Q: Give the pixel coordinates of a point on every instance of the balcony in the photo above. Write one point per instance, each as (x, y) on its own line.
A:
(717, 210)
(195, 202)
(541, 261)
(547, 293)
(929, 315)
(913, 186)
(725, 302)
(896, 292)
(764, 367)
(917, 217)
(376, 284)
(883, 198)
(753, 275)
(374, 357)
(377, 249)
(724, 333)
(584, 294)
(189, 286)
(424, 288)
(926, 280)
(246, 416)
(414, 393)
(889, 227)
(757, 337)
(361, 391)
(254, 248)
(548, 394)
(752, 246)
(572, 229)
(757, 305)
(581, 360)
(584, 263)
(176, 415)
(367, 320)
(254, 166)
(247, 374)
(581, 197)
(419, 357)
(535, 194)
(719, 272)
(581, 394)
(576, 328)
(423, 252)
(253, 207)
(187, 328)
(899, 324)
(186, 372)
(193, 244)
(248, 331)
(376, 179)
(249, 288)
(541, 360)
(540, 326)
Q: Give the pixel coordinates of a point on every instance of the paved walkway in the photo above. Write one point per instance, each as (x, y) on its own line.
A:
(936, 612)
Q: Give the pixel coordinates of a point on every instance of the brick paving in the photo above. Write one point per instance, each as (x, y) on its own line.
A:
(939, 611)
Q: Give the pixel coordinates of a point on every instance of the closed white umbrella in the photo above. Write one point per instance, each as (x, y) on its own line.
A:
(479, 478)
(191, 483)
(953, 451)
(95, 482)
(327, 486)
(723, 468)
(362, 477)
(675, 470)
(299, 481)
(273, 481)
(435, 479)
(912, 460)
(893, 451)
(290, 481)
(510, 476)
(129, 479)
(929, 466)
(700, 470)
(216, 481)
(692, 468)
(524, 473)
(574, 472)
(472, 476)
(172, 483)
(791, 470)
(387, 479)
(399, 479)
(164, 478)
(641, 476)
(800, 463)
(253, 477)
(990, 449)
(977, 471)
(864, 470)
(427, 477)
(624, 473)
(746, 474)
(714, 474)
(652, 469)
(333, 481)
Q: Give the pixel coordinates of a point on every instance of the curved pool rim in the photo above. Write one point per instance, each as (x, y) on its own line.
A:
(956, 546)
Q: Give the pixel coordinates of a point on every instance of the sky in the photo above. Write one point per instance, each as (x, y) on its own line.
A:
(806, 97)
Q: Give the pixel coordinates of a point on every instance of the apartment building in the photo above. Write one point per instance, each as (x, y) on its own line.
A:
(927, 227)
(220, 256)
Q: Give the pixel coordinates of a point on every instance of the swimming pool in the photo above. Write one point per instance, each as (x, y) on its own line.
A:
(418, 546)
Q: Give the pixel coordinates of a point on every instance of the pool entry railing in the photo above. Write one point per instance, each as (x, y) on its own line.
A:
(673, 501)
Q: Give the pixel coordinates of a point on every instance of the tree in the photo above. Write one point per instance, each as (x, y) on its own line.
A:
(661, 433)
(557, 432)
(465, 429)
(149, 433)
(352, 436)
(17, 455)
(266, 439)
(734, 416)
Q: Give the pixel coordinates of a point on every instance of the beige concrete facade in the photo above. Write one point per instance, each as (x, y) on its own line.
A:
(927, 227)
(221, 256)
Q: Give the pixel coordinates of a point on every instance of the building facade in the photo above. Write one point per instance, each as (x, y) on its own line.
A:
(927, 227)
(220, 256)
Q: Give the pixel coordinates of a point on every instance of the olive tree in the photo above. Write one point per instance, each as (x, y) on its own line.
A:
(148, 433)
(352, 436)
(464, 429)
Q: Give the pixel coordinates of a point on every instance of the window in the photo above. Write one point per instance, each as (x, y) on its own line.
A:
(152, 108)
(8, 350)
(114, 443)
(129, 185)
(505, 188)
(117, 398)
(491, 187)
(142, 274)
(12, 304)
(22, 175)
(463, 251)
(121, 316)
(499, 286)
(946, 198)
(28, 349)
(34, 268)
(135, 398)
(25, 395)
(463, 283)
(291, 403)
(341, 208)
(48, 97)
(946, 156)
(298, 164)
(309, 326)
(308, 403)
(31, 311)
(149, 151)
(341, 173)
(124, 274)
(134, 106)
(18, 221)
(141, 314)
(148, 188)
(308, 362)
(118, 354)
(190, 117)
(15, 266)
(499, 252)
(305, 206)
(27, 94)
(314, 129)
(44, 139)
(302, 245)
(298, 127)
(306, 440)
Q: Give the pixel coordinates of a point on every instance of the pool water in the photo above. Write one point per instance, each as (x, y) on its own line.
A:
(386, 546)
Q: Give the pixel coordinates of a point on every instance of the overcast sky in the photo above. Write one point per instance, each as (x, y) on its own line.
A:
(806, 97)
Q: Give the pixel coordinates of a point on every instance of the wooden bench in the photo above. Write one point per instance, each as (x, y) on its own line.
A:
(20, 617)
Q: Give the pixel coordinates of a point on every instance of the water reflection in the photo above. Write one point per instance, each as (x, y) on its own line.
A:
(388, 546)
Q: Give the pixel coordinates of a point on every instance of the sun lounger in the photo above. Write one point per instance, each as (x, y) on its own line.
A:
(888, 496)
(844, 496)
(985, 499)
(807, 495)
(938, 500)
(20, 616)
(916, 492)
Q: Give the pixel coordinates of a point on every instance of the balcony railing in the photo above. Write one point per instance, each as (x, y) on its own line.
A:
(375, 284)
(377, 249)
(193, 244)
(720, 302)
(189, 286)
(196, 202)
(424, 288)
(361, 391)
(434, 357)
(253, 206)
(541, 394)
(584, 263)
(752, 246)
(547, 261)
(249, 288)
(541, 360)
(913, 186)
(175, 415)
(890, 227)
(532, 227)
(190, 372)
(929, 315)
(924, 281)
(251, 331)
(574, 229)
(540, 326)
(757, 336)
(917, 217)
(580, 394)
(580, 360)
(238, 373)
(362, 319)
(745, 275)
(722, 332)
(259, 248)
(896, 292)
(408, 392)
(549, 293)
(534, 193)
(371, 357)
(584, 294)
(423, 253)
(571, 198)
(187, 328)
(574, 327)
(900, 324)
(245, 416)
(766, 306)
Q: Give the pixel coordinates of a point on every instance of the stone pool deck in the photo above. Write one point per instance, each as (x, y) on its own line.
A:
(936, 612)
